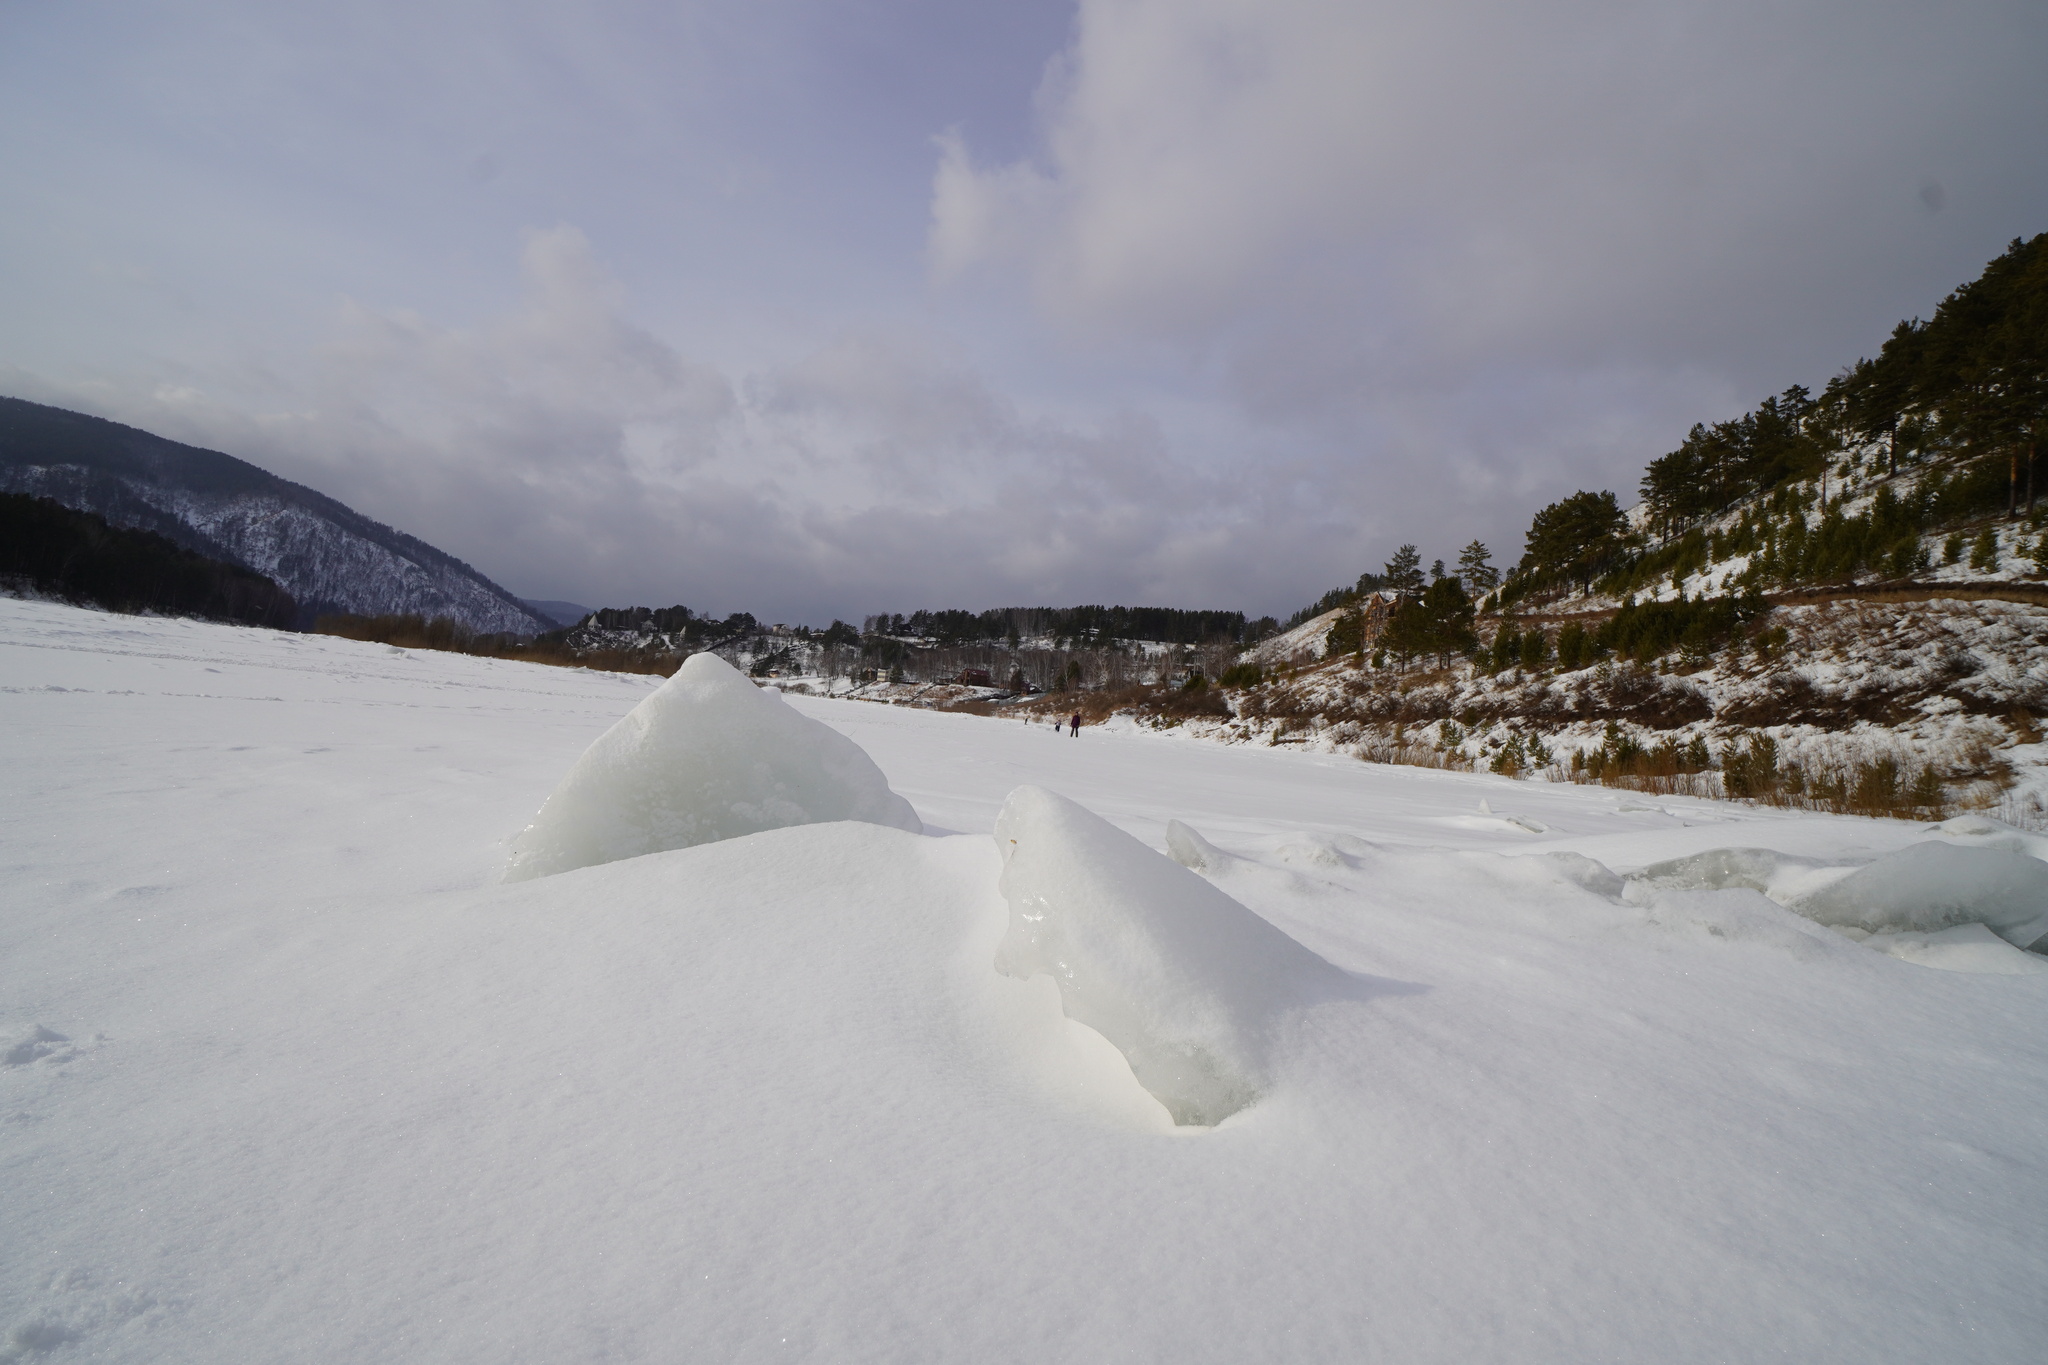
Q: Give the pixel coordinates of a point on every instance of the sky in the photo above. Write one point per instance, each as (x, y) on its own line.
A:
(816, 309)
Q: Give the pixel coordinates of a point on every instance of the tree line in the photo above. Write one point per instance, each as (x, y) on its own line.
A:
(1081, 627)
(77, 557)
(1970, 381)
(1960, 400)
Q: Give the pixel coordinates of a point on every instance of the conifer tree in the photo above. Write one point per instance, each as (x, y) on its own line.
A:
(1346, 635)
(1474, 568)
(1448, 619)
(1404, 570)
(1507, 647)
(1575, 538)
(1407, 631)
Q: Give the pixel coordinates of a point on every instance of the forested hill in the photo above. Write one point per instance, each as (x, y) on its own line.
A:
(1839, 595)
(1971, 380)
(1941, 431)
(1898, 468)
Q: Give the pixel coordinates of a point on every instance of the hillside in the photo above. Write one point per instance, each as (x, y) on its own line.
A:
(1834, 601)
(329, 557)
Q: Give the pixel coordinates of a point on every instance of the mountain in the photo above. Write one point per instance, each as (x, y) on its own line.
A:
(328, 556)
(561, 613)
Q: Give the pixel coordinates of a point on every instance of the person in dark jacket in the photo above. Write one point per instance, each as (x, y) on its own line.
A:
(1075, 732)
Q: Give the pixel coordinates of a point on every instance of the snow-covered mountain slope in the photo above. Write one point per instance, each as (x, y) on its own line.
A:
(288, 1074)
(328, 556)
(1306, 641)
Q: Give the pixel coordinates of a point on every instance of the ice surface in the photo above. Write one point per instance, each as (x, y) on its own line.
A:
(707, 756)
(1186, 982)
(323, 1088)
(1931, 886)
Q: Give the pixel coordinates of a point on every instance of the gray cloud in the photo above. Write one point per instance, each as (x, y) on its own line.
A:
(1496, 249)
(560, 443)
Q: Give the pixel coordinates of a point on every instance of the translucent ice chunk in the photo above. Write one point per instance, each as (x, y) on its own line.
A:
(1784, 877)
(1931, 886)
(706, 756)
(1186, 982)
(1188, 848)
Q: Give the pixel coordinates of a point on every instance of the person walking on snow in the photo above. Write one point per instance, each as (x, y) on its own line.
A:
(1075, 732)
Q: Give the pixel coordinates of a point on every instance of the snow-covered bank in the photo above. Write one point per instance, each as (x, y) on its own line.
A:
(291, 1077)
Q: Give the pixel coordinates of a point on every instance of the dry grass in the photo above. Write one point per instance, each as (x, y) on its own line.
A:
(440, 633)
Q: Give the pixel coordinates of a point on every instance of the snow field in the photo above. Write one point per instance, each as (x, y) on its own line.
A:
(290, 1075)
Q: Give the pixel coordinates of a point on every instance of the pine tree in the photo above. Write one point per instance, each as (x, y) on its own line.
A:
(1507, 647)
(1576, 537)
(1407, 631)
(1479, 575)
(1447, 617)
(1404, 570)
(1346, 635)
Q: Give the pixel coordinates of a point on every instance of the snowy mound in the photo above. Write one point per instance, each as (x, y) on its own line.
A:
(1186, 982)
(1932, 886)
(707, 756)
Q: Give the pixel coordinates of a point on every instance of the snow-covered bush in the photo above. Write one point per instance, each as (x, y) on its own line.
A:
(706, 756)
(1186, 982)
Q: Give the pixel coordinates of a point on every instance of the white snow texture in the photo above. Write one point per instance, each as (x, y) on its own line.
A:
(1186, 982)
(707, 756)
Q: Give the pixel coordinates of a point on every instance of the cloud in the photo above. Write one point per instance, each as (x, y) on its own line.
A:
(565, 450)
(1458, 259)
(1461, 177)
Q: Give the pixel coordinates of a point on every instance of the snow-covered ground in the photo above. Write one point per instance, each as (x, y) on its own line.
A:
(287, 1073)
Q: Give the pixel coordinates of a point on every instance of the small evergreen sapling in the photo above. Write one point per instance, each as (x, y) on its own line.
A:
(1984, 554)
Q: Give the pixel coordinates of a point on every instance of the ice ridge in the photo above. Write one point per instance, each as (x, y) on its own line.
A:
(1187, 983)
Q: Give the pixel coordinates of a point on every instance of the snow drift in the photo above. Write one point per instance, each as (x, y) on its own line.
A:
(1186, 982)
(707, 756)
